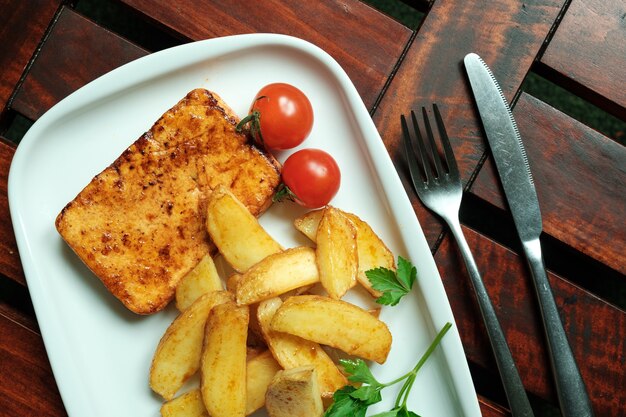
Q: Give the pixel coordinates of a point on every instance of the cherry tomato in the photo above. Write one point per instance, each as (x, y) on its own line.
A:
(312, 177)
(284, 116)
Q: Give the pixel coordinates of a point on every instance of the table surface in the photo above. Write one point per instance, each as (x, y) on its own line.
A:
(49, 49)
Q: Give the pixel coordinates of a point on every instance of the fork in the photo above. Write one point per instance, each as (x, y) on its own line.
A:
(440, 189)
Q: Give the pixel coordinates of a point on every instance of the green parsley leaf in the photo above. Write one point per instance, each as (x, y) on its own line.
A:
(359, 372)
(346, 406)
(407, 273)
(353, 402)
(397, 412)
(391, 413)
(403, 412)
(393, 285)
(369, 394)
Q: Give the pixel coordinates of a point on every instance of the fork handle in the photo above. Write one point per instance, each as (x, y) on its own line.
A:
(513, 387)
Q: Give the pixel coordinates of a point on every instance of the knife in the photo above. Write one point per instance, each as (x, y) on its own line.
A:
(514, 171)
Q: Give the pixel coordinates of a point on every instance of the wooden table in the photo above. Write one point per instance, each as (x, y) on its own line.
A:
(48, 49)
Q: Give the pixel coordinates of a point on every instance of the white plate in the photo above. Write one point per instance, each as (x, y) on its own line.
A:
(100, 352)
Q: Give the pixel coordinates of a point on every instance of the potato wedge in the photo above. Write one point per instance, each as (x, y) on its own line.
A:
(232, 282)
(309, 222)
(372, 251)
(294, 393)
(177, 356)
(334, 323)
(260, 371)
(201, 279)
(236, 232)
(336, 253)
(278, 274)
(187, 405)
(223, 365)
(293, 352)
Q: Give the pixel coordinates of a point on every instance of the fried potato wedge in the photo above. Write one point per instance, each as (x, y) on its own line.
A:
(201, 279)
(232, 282)
(372, 251)
(336, 253)
(309, 222)
(260, 371)
(236, 232)
(177, 356)
(223, 364)
(334, 323)
(292, 351)
(277, 274)
(187, 405)
(294, 393)
(255, 338)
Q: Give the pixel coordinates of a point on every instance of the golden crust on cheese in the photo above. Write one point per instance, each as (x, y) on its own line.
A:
(139, 224)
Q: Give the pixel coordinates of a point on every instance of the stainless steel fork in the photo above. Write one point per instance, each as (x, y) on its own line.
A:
(440, 189)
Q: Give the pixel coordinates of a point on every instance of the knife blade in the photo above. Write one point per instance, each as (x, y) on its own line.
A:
(514, 170)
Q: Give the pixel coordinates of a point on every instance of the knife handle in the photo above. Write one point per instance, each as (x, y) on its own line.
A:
(513, 386)
(571, 391)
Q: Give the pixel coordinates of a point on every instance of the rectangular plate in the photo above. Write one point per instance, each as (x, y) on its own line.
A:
(99, 351)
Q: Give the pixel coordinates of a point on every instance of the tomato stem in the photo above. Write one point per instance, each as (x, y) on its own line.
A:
(283, 193)
(254, 121)
(244, 121)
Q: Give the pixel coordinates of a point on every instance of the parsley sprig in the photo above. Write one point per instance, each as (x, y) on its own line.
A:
(393, 284)
(351, 401)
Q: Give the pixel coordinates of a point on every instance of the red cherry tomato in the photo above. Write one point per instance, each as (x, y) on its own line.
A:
(284, 116)
(312, 177)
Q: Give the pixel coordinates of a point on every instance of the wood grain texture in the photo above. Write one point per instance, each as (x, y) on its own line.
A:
(366, 43)
(491, 409)
(596, 330)
(580, 176)
(596, 31)
(507, 34)
(27, 386)
(10, 265)
(55, 73)
(22, 26)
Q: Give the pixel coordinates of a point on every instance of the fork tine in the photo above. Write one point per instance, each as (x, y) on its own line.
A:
(433, 145)
(409, 152)
(445, 141)
(423, 156)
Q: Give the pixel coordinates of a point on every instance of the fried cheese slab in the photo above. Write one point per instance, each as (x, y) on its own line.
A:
(139, 225)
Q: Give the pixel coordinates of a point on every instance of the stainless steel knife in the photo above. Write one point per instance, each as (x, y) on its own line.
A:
(514, 171)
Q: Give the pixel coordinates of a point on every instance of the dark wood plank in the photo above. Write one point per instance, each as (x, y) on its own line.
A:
(22, 26)
(432, 70)
(27, 386)
(594, 29)
(10, 265)
(15, 305)
(54, 74)
(365, 42)
(597, 330)
(580, 177)
(421, 5)
(491, 409)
